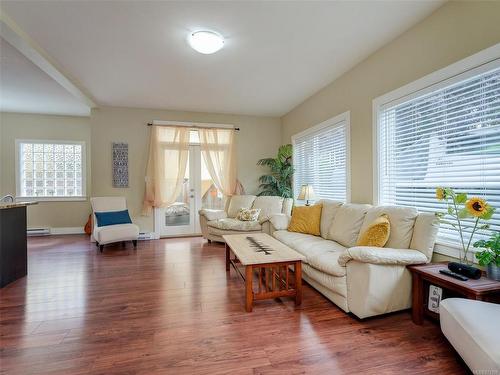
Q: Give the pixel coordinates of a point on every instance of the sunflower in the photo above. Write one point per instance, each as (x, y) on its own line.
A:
(476, 206)
(440, 194)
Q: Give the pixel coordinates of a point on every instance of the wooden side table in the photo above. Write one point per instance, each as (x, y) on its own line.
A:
(426, 274)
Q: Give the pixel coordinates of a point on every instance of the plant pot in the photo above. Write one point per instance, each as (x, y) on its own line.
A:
(493, 272)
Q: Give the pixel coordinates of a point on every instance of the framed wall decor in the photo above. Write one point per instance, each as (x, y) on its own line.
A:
(120, 165)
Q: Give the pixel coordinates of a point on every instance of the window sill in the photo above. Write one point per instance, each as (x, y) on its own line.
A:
(453, 251)
(51, 199)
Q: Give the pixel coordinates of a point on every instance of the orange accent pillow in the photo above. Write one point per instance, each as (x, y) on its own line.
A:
(306, 219)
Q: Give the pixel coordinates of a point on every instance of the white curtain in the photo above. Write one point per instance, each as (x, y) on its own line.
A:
(218, 150)
(168, 156)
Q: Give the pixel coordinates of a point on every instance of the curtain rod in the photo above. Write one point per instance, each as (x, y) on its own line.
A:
(193, 127)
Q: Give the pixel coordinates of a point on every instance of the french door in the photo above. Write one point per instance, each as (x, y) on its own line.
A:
(198, 191)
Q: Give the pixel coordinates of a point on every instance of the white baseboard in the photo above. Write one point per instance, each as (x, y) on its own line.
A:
(66, 230)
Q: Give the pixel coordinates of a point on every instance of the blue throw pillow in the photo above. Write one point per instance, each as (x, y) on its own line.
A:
(112, 218)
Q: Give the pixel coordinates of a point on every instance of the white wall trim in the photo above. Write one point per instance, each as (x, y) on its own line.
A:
(463, 69)
(334, 122)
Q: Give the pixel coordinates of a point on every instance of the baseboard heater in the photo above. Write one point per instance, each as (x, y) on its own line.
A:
(37, 232)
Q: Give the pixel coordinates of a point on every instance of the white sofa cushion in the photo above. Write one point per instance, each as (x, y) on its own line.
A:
(347, 223)
(473, 328)
(234, 224)
(213, 214)
(305, 244)
(115, 233)
(280, 221)
(239, 201)
(402, 220)
(287, 206)
(334, 283)
(382, 255)
(268, 206)
(330, 208)
(320, 253)
(424, 234)
(103, 204)
(328, 261)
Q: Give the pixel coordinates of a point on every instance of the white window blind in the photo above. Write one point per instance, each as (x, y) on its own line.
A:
(320, 159)
(449, 137)
(50, 169)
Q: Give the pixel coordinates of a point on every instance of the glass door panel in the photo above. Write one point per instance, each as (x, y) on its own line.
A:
(179, 218)
(211, 197)
(198, 191)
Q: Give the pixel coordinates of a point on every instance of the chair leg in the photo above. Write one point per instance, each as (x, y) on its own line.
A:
(135, 243)
(97, 244)
(101, 248)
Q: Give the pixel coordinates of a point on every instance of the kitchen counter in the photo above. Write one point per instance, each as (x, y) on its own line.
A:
(13, 243)
(5, 205)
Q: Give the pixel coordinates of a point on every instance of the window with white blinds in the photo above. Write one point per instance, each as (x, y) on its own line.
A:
(320, 159)
(446, 136)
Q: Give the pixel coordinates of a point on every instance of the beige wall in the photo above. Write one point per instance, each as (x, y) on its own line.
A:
(28, 126)
(453, 32)
(259, 137)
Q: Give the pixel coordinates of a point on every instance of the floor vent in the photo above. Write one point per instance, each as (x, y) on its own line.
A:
(38, 232)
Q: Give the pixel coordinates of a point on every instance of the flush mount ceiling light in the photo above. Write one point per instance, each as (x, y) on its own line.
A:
(206, 42)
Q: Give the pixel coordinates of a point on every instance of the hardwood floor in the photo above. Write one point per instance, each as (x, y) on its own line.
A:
(169, 308)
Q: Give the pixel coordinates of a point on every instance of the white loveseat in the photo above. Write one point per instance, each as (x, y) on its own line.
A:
(216, 223)
(366, 281)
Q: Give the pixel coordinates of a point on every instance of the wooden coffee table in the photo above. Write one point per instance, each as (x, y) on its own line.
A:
(272, 260)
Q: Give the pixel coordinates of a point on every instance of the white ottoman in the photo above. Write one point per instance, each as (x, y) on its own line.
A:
(473, 328)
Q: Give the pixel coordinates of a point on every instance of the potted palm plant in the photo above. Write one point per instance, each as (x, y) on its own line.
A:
(490, 256)
(279, 181)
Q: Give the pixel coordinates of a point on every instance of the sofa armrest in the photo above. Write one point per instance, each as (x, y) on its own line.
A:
(213, 214)
(280, 221)
(382, 255)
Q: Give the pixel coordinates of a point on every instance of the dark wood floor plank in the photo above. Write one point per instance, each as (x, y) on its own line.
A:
(170, 308)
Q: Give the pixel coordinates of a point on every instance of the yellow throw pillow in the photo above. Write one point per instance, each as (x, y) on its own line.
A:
(306, 219)
(377, 233)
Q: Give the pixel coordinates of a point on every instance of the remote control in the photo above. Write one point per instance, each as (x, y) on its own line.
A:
(453, 274)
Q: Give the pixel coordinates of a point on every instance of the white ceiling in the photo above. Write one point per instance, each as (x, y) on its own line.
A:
(26, 88)
(135, 53)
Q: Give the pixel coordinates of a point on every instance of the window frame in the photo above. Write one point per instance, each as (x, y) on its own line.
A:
(332, 123)
(20, 197)
(471, 66)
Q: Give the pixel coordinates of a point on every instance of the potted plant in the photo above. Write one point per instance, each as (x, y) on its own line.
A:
(490, 256)
(461, 208)
(279, 181)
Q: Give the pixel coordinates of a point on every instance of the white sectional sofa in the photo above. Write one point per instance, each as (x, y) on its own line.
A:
(366, 281)
(216, 223)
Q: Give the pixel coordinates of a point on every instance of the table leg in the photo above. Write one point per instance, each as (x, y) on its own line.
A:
(228, 255)
(248, 287)
(417, 313)
(298, 283)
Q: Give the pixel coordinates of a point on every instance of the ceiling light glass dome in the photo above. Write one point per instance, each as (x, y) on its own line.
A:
(206, 42)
